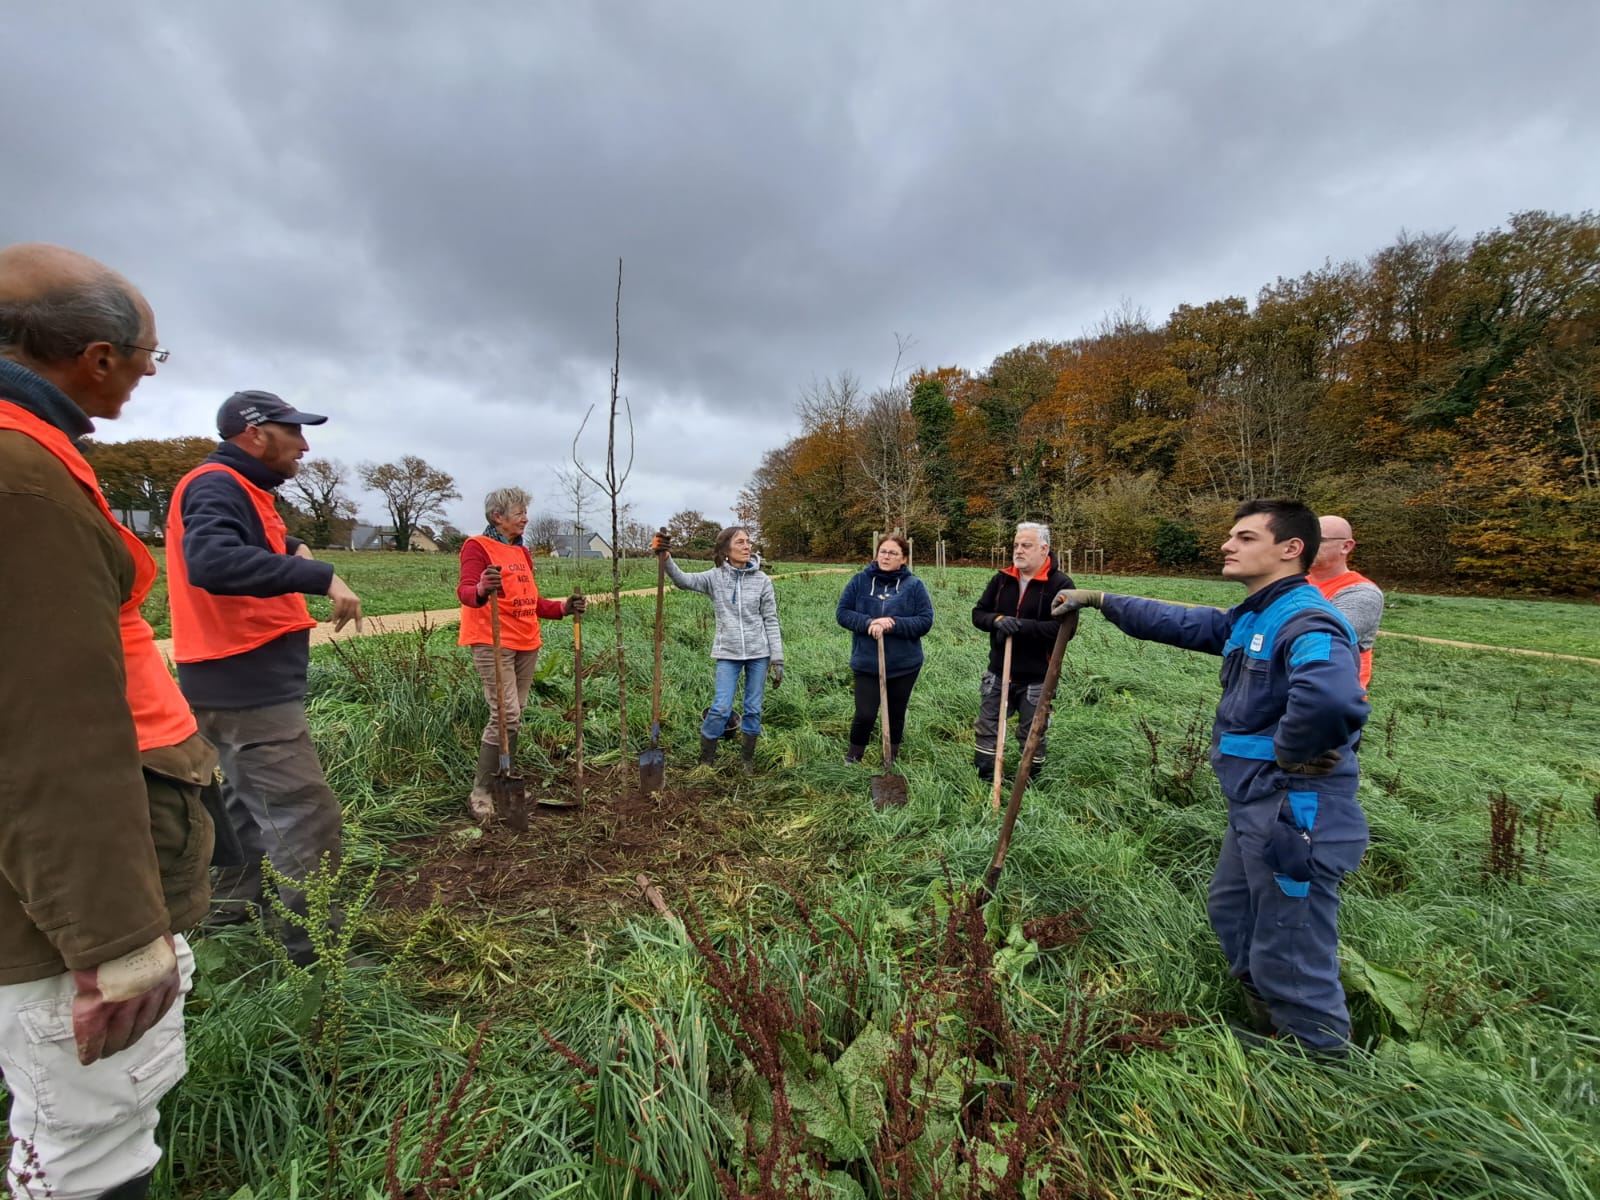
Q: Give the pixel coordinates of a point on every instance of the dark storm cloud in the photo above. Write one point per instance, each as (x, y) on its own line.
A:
(414, 213)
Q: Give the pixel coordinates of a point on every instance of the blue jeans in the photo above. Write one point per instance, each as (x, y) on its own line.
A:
(755, 690)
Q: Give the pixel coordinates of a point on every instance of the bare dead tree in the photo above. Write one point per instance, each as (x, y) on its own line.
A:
(893, 482)
(576, 492)
(611, 483)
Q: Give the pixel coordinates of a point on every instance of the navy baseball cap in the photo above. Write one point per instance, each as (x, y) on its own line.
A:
(243, 409)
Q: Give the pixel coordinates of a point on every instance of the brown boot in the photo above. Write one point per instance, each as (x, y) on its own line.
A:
(747, 753)
(708, 751)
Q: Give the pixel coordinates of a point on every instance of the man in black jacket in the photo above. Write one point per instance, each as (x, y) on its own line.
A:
(1016, 605)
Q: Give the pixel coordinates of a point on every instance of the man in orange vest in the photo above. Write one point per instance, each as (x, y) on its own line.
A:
(104, 842)
(240, 635)
(1352, 593)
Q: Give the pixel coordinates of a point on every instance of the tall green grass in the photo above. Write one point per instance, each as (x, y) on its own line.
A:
(1480, 995)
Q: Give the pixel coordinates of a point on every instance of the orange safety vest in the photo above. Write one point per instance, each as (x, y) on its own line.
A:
(161, 715)
(206, 626)
(519, 602)
(1328, 588)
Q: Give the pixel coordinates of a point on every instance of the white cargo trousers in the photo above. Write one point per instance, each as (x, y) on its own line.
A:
(80, 1131)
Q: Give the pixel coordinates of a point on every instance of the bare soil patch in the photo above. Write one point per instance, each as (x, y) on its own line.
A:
(581, 863)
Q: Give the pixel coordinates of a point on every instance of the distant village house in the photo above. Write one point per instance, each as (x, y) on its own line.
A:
(381, 537)
(590, 545)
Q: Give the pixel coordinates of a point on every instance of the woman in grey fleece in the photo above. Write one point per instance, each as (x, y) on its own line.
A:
(747, 636)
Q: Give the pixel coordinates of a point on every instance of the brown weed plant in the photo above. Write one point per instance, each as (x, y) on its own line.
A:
(1506, 855)
(1174, 782)
(443, 1166)
(948, 1019)
(30, 1183)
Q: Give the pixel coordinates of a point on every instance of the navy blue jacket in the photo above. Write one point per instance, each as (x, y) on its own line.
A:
(225, 550)
(873, 593)
(1290, 687)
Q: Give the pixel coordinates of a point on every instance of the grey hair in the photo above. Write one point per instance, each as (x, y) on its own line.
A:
(1042, 530)
(502, 502)
(57, 326)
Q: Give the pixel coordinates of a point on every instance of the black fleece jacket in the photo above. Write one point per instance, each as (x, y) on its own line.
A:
(1030, 652)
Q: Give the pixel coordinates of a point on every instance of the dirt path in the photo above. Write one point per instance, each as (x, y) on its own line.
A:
(406, 622)
(1433, 641)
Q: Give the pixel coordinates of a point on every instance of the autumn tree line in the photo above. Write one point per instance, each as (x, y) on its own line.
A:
(1444, 395)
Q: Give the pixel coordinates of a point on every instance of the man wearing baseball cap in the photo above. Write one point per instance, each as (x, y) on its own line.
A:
(240, 634)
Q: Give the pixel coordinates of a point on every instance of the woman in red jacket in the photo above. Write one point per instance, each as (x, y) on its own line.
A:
(496, 562)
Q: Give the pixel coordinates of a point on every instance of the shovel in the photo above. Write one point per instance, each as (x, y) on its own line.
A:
(1000, 741)
(508, 789)
(652, 762)
(888, 791)
(1041, 718)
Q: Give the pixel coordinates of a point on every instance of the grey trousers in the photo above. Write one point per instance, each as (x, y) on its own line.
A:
(279, 803)
(516, 672)
(1022, 702)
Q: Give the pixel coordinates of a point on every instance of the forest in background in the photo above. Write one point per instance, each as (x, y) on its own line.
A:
(1444, 395)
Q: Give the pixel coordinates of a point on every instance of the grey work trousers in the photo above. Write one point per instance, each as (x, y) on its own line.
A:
(1022, 701)
(281, 806)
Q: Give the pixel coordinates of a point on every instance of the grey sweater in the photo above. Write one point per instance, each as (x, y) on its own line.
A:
(746, 607)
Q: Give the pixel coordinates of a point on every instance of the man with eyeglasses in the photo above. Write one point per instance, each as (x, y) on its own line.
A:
(1015, 608)
(240, 635)
(104, 842)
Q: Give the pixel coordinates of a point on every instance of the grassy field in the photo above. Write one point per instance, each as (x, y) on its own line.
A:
(1555, 626)
(824, 995)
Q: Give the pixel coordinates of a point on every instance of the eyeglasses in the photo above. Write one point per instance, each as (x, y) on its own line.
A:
(158, 353)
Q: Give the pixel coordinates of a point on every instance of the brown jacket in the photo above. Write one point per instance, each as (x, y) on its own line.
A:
(102, 850)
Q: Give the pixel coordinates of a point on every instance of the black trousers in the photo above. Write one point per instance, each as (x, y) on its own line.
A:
(867, 707)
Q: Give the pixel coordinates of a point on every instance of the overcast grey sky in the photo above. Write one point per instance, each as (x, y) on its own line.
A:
(409, 217)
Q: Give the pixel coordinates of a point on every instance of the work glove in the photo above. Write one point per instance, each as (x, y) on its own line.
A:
(119, 1001)
(1007, 626)
(1322, 764)
(489, 582)
(1070, 600)
(576, 603)
(775, 674)
(661, 543)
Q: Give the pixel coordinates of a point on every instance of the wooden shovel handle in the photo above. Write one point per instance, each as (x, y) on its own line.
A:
(577, 693)
(1000, 740)
(655, 685)
(883, 700)
(1041, 718)
(499, 681)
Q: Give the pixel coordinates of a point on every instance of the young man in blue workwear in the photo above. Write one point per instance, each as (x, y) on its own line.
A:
(1283, 747)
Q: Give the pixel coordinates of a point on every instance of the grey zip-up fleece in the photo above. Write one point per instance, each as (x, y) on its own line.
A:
(746, 605)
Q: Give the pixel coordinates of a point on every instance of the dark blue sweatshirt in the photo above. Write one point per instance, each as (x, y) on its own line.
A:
(225, 550)
(873, 593)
